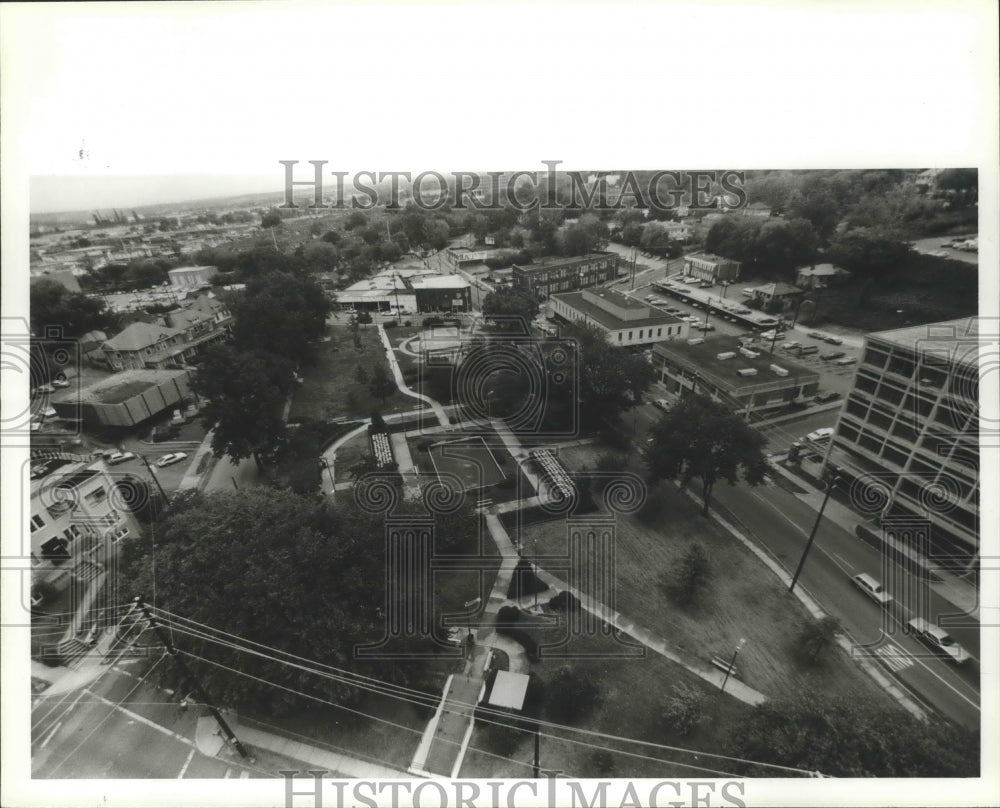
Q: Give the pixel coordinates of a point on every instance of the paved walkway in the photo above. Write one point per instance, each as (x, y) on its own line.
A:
(398, 376)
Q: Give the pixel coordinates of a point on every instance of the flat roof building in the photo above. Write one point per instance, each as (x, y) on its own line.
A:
(750, 381)
(909, 430)
(624, 320)
(548, 276)
(714, 268)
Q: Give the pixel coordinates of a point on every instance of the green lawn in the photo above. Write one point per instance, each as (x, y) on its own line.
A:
(331, 388)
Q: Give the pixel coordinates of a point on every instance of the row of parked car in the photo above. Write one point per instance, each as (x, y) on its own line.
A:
(114, 458)
(933, 636)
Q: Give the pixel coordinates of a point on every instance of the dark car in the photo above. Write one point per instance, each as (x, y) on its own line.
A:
(829, 395)
(832, 355)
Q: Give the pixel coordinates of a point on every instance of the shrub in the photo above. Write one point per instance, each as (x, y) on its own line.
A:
(524, 582)
(690, 576)
(389, 324)
(684, 710)
(565, 602)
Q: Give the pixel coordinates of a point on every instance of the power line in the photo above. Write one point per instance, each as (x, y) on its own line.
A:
(422, 698)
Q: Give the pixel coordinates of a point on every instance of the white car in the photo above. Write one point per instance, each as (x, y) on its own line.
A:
(60, 383)
(821, 435)
(938, 639)
(119, 457)
(170, 459)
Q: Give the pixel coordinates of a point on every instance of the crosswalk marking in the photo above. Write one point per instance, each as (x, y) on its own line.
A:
(893, 656)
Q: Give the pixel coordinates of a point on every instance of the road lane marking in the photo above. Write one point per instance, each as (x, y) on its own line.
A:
(51, 733)
(187, 763)
(142, 719)
(894, 657)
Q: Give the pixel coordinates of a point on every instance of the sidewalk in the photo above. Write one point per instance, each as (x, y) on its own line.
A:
(398, 376)
(956, 591)
(210, 743)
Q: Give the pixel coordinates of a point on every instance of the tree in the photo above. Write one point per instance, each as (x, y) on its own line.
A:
(610, 380)
(870, 253)
(853, 737)
(361, 374)
(817, 635)
(684, 710)
(271, 219)
(381, 384)
(280, 313)
(293, 573)
(689, 577)
(53, 305)
(700, 437)
(511, 307)
(246, 393)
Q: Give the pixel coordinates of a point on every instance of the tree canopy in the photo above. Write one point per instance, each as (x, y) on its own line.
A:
(510, 307)
(853, 738)
(280, 313)
(700, 437)
(246, 393)
(292, 572)
(52, 304)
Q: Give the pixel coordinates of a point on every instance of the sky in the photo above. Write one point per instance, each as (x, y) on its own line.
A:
(231, 88)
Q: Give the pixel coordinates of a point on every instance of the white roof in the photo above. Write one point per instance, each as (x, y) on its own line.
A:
(439, 282)
(509, 690)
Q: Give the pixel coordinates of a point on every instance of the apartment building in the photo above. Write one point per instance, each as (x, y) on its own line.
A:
(548, 276)
(714, 268)
(908, 435)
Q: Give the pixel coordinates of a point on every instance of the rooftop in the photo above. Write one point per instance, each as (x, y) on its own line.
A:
(440, 282)
(550, 261)
(703, 359)
(715, 259)
(957, 339)
(509, 690)
(821, 269)
(779, 288)
(579, 302)
(139, 336)
(125, 385)
(188, 270)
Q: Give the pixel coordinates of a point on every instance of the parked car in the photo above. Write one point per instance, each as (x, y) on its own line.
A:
(49, 412)
(833, 340)
(847, 360)
(706, 327)
(831, 355)
(119, 457)
(788, 346)
(60, 383)
(872, 588)
(805, 350)
(829, 395)
(938, 639)
(45, 388)
(821, 435)
(816, 335)
(661, 403)
(170, 459)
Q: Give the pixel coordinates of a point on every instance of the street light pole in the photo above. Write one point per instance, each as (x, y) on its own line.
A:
(166, 500)
(812, 535)
(732, 662)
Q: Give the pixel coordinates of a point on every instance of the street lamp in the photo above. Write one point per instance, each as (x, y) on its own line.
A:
(812, 535)
(329, 470)
(732, 662)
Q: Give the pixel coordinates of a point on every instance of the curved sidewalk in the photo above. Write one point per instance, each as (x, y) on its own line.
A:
(442, 416)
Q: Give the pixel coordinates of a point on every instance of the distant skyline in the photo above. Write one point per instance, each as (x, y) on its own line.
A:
(69, 193)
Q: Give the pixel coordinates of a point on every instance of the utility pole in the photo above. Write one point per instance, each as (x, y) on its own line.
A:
(812, 535)
(166, 500)
(535, 769)
(202, 695)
